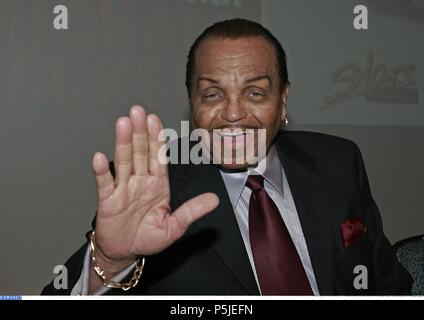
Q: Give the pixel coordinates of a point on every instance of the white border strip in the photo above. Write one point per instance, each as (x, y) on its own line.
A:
(229, 298)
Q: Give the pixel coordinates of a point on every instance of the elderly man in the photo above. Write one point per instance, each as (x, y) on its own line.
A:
(306, 225)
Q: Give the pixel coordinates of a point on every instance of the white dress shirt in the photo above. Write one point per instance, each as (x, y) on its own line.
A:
(278, 189)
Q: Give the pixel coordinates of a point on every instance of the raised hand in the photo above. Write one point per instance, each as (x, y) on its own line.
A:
(134, 215)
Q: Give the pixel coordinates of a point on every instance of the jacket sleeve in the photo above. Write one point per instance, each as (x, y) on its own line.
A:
(390, 278)
(74, 267)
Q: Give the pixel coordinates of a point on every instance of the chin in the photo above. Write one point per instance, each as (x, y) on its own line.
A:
(235, 164)
(235, 167)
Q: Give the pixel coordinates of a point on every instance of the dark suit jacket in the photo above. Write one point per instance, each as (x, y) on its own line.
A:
(329, 184)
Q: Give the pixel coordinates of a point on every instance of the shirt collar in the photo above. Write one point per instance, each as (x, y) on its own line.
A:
(235, 181)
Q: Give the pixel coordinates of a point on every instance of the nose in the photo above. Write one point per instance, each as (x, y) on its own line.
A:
(234, 110)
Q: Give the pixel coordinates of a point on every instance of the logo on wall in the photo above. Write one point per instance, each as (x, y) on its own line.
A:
(378, 83)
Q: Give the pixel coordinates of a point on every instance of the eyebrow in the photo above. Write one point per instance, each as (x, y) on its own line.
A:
(207, 79)
(255, 79)
(258, 78)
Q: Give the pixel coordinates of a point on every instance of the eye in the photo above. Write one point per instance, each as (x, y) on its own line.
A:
(256, 95)
(211, 96)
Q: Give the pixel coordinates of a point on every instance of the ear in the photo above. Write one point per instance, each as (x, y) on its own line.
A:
(284, 99)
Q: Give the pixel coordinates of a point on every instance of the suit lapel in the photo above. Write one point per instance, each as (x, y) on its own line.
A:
(310, 196)
(309, 191)
(226, 240)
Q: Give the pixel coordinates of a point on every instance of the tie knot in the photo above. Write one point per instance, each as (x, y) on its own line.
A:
(255, 182)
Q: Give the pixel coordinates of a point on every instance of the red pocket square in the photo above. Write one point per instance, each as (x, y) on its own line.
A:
(352, 230)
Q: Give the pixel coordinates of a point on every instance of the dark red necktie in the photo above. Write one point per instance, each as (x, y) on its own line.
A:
(278, 266)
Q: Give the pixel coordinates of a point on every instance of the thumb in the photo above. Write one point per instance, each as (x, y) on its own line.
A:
(191, 211)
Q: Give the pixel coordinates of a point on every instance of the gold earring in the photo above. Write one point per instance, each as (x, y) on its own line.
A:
(286, 122)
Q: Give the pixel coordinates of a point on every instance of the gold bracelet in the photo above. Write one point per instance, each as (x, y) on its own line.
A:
(112, 284)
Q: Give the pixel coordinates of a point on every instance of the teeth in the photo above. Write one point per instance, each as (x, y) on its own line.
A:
(234, 133)
(230, 134)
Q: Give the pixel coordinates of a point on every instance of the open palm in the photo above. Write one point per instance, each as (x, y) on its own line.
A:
(134, 215)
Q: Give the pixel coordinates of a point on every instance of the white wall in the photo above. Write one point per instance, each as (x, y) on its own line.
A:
(387, 121)
(61, 91)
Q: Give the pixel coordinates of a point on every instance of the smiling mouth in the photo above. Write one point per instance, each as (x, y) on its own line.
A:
(233, 133)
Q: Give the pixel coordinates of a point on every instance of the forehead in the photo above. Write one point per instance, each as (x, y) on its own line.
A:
(249, 55)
